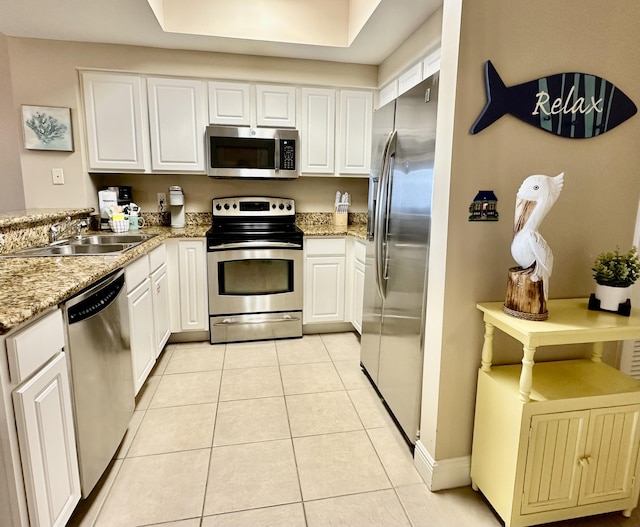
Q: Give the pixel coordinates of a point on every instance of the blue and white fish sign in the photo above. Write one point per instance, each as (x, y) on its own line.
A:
(574, 105)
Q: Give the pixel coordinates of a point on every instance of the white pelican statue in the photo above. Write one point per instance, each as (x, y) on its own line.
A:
(536, 196)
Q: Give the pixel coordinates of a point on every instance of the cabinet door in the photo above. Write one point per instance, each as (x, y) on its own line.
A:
(229, 103)
(611, 454)
(176, 121)
(143, 354)
(317, 130)
(160, 297)
(44, 419)
(276, 106)
(324, 289)
(356, 109)
(552, 470)
(358, 295)
(193, 285)
(115, 115)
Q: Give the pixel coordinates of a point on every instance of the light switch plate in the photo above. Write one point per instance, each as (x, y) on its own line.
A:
(57, 175)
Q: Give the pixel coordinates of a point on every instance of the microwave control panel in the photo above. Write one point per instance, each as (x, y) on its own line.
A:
(287, 154)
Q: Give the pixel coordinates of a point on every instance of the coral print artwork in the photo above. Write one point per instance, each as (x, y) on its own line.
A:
(47, 128)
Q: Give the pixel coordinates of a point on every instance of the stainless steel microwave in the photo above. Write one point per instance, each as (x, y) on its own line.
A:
(244, 152)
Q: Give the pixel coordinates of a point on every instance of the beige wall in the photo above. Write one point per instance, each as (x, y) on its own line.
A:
(12, 195)
(45, 73)
(596, 210)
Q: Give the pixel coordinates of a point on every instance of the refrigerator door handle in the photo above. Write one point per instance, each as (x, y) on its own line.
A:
(382, 213)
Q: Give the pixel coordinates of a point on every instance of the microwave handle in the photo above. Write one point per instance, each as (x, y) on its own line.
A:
(276, 153)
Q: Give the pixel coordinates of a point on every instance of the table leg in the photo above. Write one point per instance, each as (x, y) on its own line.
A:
(596, 354)
(526, 375)
(487, 347)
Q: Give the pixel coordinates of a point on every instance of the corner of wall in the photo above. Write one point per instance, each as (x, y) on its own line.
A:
(443, 474)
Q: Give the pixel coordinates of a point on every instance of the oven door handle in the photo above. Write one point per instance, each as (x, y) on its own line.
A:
(232, 321)
(248, 245)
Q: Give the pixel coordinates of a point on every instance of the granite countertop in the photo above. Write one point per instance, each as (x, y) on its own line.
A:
(358, 230)
(29, 286)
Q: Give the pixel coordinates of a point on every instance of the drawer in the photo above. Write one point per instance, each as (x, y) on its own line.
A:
(359, 251)
(32, 347)
(136, 272)
(325, 246)
(157, 257)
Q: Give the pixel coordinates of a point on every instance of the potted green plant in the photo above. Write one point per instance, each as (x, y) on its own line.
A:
(615, 273)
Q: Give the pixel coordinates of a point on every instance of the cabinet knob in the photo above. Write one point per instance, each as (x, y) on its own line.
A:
(585, 461)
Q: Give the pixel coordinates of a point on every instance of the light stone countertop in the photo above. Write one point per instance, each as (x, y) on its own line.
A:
(29, 286)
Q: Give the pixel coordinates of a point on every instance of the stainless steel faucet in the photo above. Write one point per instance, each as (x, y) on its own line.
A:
(57, 228)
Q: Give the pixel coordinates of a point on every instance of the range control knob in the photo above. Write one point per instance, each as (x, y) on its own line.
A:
(281, 206)
(226, 206)
(218, 206)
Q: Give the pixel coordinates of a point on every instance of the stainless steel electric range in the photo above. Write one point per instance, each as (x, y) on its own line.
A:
(254, 266)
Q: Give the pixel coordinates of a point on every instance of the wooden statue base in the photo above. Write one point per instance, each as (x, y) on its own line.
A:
(525, 299)
(624, 309)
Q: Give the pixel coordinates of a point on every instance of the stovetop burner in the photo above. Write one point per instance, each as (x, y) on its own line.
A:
(253, 219)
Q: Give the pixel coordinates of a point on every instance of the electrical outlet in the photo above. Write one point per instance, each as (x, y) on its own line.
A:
(162, 201)
(57, 175)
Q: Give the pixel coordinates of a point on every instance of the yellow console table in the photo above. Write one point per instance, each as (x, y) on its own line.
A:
(561, 440)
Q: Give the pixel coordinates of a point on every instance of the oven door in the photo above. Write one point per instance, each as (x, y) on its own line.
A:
(255, 293)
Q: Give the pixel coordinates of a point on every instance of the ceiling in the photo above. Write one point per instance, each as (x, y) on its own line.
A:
(133, 22)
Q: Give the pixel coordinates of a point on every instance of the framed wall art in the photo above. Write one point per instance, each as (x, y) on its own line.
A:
(47, 128)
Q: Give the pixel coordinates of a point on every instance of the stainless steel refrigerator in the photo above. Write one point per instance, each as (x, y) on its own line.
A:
(400, 196)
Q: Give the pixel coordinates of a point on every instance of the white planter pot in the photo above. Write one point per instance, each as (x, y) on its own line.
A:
(611, 297)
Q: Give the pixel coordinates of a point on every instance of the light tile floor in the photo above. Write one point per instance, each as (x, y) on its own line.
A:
(285, 433)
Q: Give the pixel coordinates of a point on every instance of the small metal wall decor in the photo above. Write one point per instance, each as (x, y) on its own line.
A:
(484, 207)
(573, 105)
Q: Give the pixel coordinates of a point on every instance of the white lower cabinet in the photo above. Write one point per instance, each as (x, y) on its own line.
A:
(143, 350)
(160, 300)
(187, 272)
(324, 280)
(357, 283)
(44, 421)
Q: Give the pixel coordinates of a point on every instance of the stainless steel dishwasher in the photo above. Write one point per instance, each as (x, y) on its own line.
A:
(98, 345)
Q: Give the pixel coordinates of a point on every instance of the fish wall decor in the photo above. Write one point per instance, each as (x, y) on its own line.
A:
(573, 105)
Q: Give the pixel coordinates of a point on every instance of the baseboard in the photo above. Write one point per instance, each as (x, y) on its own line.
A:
(442, 474)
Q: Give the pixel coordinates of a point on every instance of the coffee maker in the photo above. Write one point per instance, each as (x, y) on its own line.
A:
(176, 206)
(110, 196)
(124, 196)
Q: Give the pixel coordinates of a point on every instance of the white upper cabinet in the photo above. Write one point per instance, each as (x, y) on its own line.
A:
(356, 112)
(116, 121)
(317, 130)
(410, 78)
(244, 104)
(276, 106)
(176, 120)
(229, 103)
(431, 64)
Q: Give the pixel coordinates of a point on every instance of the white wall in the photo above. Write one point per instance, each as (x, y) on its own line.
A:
(46, 73)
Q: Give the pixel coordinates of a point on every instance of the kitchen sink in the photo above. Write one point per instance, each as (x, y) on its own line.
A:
(100, 239)
(92, 244)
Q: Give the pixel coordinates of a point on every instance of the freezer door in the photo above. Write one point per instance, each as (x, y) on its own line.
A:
(409, 222)
(383, 120)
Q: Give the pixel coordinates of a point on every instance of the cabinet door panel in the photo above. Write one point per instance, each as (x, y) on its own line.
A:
(356, 114)
(160, 296)
(552, 471)
(276, 106)
(611, 454)
(229, 103)
(142, 333)
(193, 285)
(317, 132)
(44, 419)
(324, 289)
(113, 106)
(176, 120)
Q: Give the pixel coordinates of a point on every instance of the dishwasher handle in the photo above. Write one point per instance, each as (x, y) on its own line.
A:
(96, 298)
